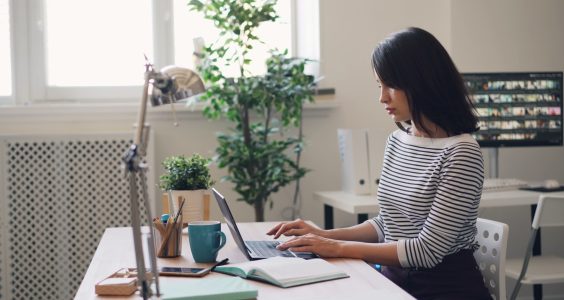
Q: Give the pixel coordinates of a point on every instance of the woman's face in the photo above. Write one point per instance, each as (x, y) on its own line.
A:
(395, 102)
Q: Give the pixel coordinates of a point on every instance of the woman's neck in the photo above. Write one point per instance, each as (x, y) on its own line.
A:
(434, 131)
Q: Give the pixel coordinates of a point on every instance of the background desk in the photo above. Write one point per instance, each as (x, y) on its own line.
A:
(116, 251)
(362, 205)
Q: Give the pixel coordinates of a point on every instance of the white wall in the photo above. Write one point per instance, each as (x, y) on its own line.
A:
(503, 35)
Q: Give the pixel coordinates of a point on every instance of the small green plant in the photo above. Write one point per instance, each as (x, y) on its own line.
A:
(183, 173)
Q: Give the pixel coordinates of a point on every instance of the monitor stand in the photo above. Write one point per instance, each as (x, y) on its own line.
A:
(494, 162)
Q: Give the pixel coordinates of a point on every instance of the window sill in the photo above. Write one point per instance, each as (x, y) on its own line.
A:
(120, 111)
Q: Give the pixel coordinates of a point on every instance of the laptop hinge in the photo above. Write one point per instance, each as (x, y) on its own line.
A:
(250, 253)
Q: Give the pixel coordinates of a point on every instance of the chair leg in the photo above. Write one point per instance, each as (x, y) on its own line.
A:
(515, 290)
(525, 264)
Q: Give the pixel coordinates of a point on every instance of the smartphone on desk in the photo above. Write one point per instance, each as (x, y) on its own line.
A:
(190, 272)
(182, 271)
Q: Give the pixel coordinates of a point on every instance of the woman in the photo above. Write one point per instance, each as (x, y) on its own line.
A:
(431, 180)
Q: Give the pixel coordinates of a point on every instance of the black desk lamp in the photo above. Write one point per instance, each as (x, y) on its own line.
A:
(169, 85)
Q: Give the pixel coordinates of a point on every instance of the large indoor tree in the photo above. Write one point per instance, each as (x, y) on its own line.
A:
(261, 151)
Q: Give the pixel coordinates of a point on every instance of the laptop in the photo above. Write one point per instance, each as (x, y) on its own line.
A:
(254, 250)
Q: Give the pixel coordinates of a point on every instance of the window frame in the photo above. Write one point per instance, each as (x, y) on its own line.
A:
(28, 56)
(10, 99)
(41, 93)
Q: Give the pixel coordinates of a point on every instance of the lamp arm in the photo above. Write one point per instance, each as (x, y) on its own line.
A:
(133, 166)
(164, 82)
(149, 75)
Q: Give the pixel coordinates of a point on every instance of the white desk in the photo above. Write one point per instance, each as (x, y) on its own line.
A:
(115, 251)
(512, 198)
(362, 205)
(365, 204)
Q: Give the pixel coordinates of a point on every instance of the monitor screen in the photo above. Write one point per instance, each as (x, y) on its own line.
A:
(517, 109)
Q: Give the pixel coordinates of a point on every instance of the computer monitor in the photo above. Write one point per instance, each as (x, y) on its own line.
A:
(517, 109)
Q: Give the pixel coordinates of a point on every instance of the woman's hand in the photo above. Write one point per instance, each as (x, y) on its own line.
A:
(297, 227)
(321, 246)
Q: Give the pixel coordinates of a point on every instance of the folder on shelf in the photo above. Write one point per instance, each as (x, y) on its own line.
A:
(353, 152)
(376, 149)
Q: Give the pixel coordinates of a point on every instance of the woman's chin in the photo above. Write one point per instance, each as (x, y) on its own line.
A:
(398, 119)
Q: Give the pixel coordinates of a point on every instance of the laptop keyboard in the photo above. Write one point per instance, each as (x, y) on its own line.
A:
(267, 249)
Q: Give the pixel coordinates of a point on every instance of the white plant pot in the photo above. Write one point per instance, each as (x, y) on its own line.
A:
(193, 209)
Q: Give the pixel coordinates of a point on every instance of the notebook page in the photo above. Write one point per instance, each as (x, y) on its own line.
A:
(283, 268)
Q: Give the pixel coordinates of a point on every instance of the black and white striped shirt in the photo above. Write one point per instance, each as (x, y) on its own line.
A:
(429, 193)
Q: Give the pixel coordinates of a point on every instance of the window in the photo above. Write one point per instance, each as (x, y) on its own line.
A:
(92, 51)
(189, 25)
(93, 54)
(5, 53)
(101, 43)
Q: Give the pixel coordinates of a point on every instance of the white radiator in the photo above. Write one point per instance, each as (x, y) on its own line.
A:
(60, 193)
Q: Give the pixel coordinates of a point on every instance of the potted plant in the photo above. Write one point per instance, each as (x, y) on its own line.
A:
(187, 178)
(260, 152)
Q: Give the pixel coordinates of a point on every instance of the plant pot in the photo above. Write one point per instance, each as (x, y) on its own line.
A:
(195, 207)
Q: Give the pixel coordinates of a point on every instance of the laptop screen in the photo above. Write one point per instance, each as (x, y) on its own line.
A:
(230, 222)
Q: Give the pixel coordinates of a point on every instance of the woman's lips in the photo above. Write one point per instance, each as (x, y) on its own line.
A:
(390, 110)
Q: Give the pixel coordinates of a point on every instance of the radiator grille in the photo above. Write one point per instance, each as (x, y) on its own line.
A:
(2, 259)
(62, 193)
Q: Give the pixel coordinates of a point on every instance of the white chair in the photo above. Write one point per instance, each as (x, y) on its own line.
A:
(492, 238)
(542, 269)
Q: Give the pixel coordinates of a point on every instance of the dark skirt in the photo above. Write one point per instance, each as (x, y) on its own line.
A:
(456, 277)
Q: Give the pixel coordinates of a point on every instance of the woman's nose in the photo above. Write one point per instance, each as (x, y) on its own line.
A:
(383, 97)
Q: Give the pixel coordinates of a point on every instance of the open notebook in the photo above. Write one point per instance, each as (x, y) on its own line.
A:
(285, 271)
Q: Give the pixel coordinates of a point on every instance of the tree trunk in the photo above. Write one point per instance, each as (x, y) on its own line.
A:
(259, 210)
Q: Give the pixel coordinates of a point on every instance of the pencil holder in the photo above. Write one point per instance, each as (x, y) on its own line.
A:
(168, 238)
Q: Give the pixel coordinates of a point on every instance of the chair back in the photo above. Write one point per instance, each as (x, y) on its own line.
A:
(492, 238)
(550, 212)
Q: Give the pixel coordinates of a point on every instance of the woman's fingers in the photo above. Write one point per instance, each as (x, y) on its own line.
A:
(312, 243)
(294, 232)
(299, 241)
(287, 244)
(275, 229)
(294, 225)
(284, 227)
(302, 249)
(279, 229)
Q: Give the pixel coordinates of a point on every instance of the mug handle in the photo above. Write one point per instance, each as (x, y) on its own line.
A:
(222, 241)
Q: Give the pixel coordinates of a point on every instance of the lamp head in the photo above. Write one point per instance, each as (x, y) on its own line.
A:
(173, 84)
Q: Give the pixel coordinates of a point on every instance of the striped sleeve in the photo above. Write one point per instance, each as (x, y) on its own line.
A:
(377, 223)
(454, 209)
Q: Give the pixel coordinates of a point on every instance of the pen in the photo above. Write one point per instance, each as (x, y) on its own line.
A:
(164, 218)
(179, 209)
(219, 263)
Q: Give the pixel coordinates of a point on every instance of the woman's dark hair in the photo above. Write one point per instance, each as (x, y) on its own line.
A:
(414, 61)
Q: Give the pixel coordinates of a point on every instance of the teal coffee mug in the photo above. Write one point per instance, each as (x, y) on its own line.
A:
(206, 239)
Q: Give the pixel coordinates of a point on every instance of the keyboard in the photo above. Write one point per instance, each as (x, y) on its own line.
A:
(503, 184)
(267, 248)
